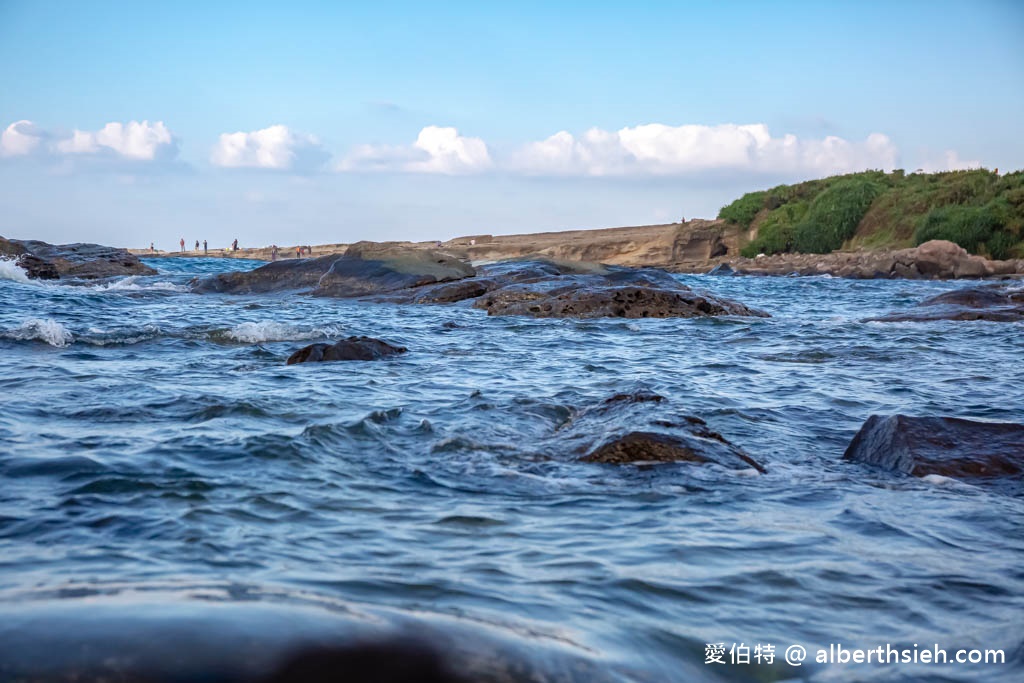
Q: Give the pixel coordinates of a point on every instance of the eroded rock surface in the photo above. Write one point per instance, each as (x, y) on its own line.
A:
(352, 348)
(44, 261)
(947, 446)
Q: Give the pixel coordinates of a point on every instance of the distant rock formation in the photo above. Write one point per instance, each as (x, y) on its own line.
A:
(934, 260)
(43, 261)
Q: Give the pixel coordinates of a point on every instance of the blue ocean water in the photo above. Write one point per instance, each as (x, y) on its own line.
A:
(158, 460)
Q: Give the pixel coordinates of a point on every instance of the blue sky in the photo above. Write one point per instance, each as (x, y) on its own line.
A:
(127, 123)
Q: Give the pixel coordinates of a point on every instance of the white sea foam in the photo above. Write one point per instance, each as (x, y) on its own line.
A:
(132, 284)
(270, 331)
(43, 329)
(10, 270)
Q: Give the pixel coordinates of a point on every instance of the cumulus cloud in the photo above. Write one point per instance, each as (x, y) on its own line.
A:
(436, 150)
(21, 138)
(137, 141)
(275, 147)
(658, 149)
(134, 141)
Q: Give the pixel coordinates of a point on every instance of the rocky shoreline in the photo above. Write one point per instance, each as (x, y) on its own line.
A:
(697, 246)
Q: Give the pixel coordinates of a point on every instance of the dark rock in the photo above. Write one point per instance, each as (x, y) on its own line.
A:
(83, 261)
(621, 293)
(997, 303)
(946, 446)
(395, 661)
(273, 277)
(452, 292)
(722, 269)
(646, 447)
(642, 427)
(353, 348)
(37, 268)
(369, 268)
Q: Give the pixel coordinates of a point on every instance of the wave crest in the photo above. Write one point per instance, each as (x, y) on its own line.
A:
(45, 330)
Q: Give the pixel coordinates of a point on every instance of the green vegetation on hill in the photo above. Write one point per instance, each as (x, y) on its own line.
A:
(980, 210)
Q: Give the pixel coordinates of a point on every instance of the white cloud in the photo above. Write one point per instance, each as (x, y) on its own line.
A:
(133, 141)
(436, 150)
(136, 141)
(275, 147)
(657, 149)
(21, 138)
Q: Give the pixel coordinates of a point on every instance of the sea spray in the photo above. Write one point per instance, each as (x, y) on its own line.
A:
(10, 270)
(45, 330)
(271, 331)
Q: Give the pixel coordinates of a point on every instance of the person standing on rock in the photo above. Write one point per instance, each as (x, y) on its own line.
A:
(234, 245)
(205, 251)
(182, 243)
(273, 253)
(197, 246)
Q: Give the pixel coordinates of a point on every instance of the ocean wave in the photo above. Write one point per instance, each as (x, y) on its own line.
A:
(271, 331)
(45, 330)
(10, 270)
(134, 283)
(119, 336)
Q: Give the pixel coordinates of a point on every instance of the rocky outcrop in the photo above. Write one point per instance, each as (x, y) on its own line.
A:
(364, 269)
(997, 303)
(44, 261)
(946, 446)
(352, 348)
(609, 293)
(373, 268)
(641, 427)
(934, 260)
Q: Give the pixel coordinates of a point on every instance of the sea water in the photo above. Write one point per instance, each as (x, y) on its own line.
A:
(161, 465)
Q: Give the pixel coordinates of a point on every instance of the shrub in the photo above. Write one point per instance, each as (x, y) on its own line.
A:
(1001, 245)
(833, 216)
(743, 210)
(968, 226)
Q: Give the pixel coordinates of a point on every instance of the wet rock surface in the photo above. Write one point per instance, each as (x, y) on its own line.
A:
(530, 289)
(369, 268)
(277, 276)
(997, 303)
(352, 348)
(643, 427)
(44, 261)
(946, 446)
(364, 269)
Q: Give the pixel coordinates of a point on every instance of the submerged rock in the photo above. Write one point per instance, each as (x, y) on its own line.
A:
(642, 428)
(998, 303)
(947, 446)
(701, 445)
(45, 261)
(353, 348)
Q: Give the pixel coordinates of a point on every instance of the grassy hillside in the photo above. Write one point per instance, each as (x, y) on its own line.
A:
(979, 210)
